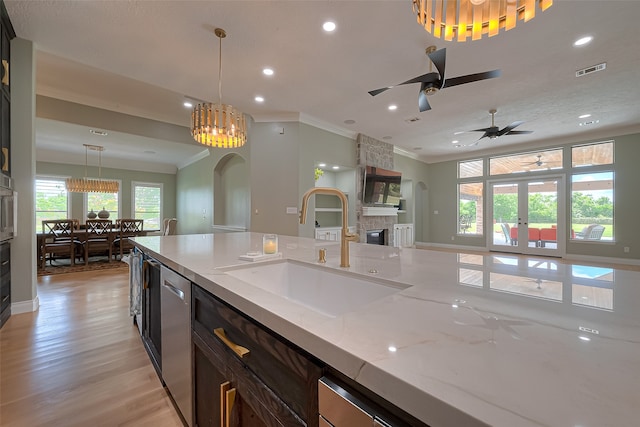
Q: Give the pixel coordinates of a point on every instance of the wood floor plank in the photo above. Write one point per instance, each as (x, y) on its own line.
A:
(79, 360)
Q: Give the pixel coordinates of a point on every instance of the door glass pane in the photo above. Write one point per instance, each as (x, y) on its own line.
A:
(505, 214)
(543, 214)
(470, 203)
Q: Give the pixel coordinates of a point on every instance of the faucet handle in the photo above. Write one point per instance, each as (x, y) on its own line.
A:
(322, 256)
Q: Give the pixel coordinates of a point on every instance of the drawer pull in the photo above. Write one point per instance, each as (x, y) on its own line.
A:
(5, 298)
(237, 349)
(227, 399)
(5, 72)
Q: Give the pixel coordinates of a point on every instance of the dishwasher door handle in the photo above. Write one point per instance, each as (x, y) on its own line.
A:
(177, 292)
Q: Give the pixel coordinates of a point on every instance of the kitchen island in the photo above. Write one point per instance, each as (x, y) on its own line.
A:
(450, 344)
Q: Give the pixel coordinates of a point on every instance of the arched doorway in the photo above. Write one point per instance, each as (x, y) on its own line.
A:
(231, 195)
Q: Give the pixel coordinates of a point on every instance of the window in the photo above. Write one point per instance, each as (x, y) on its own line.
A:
(592, 207)
(470, 169)
(592, 154)
(147, 204)
(470, 203)
(526, 162)
(52, 200)
(107, 201)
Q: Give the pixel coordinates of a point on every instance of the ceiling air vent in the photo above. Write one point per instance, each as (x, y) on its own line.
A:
(412, 119)
(591, 69)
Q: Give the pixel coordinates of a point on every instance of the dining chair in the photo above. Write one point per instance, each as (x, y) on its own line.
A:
(98, 237)
(169, 226)
(128, 228)
(58, 239)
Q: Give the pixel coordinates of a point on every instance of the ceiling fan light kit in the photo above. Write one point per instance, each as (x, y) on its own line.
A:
(494, 131)
(463, 19)
(432, 82)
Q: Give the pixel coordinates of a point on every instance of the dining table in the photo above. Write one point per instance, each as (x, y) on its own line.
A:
(81, 236)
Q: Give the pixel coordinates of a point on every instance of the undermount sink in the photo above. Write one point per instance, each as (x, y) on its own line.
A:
(324, 290)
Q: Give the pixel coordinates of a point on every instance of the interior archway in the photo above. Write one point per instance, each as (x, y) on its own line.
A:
(231, 194)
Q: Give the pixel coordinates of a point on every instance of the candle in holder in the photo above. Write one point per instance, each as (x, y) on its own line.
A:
(270, 243)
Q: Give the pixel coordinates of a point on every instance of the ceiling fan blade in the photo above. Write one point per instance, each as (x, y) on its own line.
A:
(439, 59)
(423, 103)
(518, 132)
(425, 78)
(379, 91)
(471, 78)
(509, 128)
(479, 130)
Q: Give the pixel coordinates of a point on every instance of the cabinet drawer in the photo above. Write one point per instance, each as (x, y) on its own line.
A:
(278, 364)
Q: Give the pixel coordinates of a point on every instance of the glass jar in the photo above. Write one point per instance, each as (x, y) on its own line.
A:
(270, 244)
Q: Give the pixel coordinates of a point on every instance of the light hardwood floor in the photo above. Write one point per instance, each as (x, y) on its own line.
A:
(79, 360)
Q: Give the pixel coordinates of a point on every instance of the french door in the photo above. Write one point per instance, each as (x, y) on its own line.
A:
(528, 216)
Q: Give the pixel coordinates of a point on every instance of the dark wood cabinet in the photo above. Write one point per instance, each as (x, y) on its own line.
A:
(6, 34)
(151, 312)
(5, 282)
(273, 384)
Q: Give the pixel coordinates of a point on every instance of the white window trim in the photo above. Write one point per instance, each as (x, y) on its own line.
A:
(135, 184)
(51, 177)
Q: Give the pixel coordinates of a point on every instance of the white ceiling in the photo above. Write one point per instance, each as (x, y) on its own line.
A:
(143, 58)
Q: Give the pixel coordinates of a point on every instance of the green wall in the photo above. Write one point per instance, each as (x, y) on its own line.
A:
(126, 177)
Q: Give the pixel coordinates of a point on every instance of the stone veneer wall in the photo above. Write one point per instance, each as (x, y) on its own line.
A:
(372, 152)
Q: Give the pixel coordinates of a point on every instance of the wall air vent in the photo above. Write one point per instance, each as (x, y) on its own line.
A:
(412, 119)
(591, 69)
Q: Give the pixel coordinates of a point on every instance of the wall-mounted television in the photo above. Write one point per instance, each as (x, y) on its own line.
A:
(381, 186)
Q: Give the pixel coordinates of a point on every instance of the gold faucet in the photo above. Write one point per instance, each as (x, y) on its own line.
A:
(345, 236)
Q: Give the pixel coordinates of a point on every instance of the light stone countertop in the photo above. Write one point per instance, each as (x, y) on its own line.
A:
(473, 340)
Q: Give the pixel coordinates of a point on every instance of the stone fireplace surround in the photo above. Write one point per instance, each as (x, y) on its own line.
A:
(372, 152)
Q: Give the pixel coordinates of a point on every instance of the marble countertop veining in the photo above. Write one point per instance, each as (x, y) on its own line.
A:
(492, 339)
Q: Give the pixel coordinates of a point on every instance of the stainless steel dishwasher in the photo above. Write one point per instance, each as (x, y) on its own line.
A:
(175, 301)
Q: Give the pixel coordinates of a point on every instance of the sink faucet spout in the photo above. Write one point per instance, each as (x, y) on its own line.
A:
(345, 236)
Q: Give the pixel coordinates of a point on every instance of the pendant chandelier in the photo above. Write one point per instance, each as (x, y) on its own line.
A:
(218, 125)
(460, 19)
(85, 185)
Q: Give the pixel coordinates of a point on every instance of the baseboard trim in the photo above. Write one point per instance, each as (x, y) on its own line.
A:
(454, 247)
(25, 306)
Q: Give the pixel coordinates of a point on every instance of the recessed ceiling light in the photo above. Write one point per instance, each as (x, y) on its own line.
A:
(584, 116)
(259, 99)
(267, 71)
(583, 41)
(393, 107)
(321, 165)
(458, 133)
(349, 122)
(98, 132)
(329, 26)
(393, 349)
(187, 104)
(336, 167)
(455, 141)
(590, 122)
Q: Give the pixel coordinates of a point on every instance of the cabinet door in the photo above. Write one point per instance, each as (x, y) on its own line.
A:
(151, 332)
(5, 282)
(228, 394)
(278, 381)
(5, 134)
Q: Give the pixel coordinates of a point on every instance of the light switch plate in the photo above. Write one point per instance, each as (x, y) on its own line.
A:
(292, 210)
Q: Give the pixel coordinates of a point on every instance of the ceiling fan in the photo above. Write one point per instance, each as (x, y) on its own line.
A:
(432, 82)
(538, 162)
(494, 131)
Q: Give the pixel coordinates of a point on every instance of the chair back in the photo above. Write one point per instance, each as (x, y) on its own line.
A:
(98, 227)
(58, 228)
(595, 233)
(130, 227)
(169, 226)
